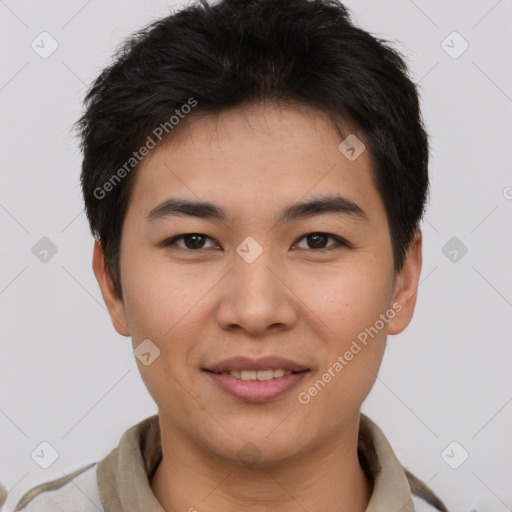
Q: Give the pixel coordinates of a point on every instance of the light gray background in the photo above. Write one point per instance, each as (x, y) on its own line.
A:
(69, 379)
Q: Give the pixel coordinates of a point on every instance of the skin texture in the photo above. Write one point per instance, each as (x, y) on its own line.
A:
(202, 305)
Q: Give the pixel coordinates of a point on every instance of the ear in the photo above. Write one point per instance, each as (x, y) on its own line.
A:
(406, 286)
(114, 304)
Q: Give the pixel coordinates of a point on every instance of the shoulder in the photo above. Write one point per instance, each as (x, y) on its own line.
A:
(3, 495)
(420, 505)
(424, 499)
(77, 492)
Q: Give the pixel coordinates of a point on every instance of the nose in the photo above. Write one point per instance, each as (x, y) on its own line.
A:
(257, 298)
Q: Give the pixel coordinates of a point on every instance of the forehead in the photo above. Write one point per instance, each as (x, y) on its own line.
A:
(256, 160)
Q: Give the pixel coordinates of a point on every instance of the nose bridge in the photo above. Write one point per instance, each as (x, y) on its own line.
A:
(255, 278)
(255, 285)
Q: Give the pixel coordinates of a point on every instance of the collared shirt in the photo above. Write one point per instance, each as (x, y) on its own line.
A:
(121, 481)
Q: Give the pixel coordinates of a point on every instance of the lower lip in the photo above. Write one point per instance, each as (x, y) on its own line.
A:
(256, 390)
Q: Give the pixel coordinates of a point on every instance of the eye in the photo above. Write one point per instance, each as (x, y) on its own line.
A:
(318, 241)
(195, 241)
(192, 241)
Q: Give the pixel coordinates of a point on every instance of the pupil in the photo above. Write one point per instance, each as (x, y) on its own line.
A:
(316, 237)
(193, 244)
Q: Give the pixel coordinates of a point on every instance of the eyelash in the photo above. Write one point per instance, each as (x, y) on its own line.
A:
(340, 241)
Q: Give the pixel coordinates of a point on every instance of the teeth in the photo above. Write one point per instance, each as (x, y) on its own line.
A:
(248, 375)
(265, 374)
(258, 375)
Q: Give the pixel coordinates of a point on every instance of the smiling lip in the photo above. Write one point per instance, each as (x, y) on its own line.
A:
(256, 390)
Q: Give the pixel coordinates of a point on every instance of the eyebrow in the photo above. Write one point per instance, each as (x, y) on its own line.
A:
(338, 205)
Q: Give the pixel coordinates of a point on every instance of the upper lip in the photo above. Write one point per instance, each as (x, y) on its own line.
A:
(262, 363)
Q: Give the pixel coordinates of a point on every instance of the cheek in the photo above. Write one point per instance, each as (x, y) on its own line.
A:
(348, 300)
(158, 296)
(362, 326)
(163, 305)
(349, 305)
(354, 349)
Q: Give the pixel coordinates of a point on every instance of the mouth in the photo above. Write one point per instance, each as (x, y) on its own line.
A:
(255, 379)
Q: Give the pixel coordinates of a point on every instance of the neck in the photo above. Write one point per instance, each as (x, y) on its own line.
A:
(329, 477)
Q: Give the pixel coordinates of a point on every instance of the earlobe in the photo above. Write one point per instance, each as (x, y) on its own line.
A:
(114, 304)
(406, 286)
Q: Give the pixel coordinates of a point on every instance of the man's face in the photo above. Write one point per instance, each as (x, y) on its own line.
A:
(255, 286)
